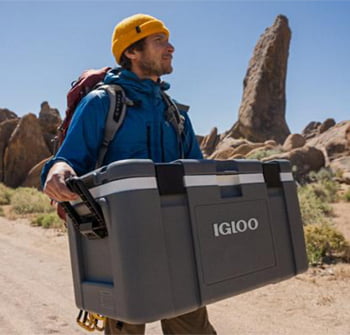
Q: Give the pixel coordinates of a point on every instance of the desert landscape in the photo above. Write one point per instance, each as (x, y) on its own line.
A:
(37, 295)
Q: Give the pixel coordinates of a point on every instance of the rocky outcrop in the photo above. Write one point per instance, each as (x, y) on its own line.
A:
(311, 130)
(6, 114)
(209, 142)
(327, 124)
(262, 111)
(335, 141)
(6, 129)
(231, 148)
(49, 120)
(26, 147)
(329, 146)
(315, 128)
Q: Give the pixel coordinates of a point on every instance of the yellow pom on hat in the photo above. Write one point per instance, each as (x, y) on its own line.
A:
(133, 29)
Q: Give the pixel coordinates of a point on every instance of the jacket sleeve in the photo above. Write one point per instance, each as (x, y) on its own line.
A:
(191, 146)
(85, 133)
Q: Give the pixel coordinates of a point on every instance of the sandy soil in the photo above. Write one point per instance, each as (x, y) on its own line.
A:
(36, 295)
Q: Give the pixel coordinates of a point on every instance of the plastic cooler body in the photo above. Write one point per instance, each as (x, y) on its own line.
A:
(185, 234)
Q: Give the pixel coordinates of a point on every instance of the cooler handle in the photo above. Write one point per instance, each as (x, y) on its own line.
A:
(93, 225)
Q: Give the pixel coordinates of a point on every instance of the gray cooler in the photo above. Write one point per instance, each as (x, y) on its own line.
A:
(152, 241)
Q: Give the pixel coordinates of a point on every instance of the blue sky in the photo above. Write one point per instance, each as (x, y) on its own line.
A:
(45, 45)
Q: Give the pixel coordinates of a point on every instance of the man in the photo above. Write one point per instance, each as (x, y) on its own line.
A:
(140, 44)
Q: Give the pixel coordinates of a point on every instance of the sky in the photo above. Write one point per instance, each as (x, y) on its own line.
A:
(45, 45)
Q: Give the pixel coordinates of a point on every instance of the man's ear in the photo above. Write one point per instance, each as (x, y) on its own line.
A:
(131, 54)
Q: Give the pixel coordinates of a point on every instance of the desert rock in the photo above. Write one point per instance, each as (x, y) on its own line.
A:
(262, 111)
(303, 160)
(293, 141)
(6, 129)
(26, 147)
(49, 119)
(6, 114)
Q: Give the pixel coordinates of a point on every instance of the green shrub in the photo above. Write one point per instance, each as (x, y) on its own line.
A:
(324, 243)
(5, 194)
(27, 200)
(313, 208)
(263, 153)
(49, 220)
(321, 175)
(2, 213)
(324, 184)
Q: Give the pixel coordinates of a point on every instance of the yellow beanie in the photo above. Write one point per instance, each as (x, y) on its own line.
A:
(133, 29)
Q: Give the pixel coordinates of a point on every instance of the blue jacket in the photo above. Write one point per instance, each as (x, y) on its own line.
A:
(145, 132)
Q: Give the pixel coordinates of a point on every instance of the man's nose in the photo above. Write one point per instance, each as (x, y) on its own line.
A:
(171, 48)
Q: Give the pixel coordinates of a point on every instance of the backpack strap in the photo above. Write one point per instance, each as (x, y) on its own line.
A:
(175, 118)
(118, 102)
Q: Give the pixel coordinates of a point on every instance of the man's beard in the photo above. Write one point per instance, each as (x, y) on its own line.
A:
(151, 68)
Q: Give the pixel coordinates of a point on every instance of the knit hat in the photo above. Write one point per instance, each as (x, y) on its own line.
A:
(133, 29)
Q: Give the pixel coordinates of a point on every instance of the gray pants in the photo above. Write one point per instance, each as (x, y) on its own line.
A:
(195, 322)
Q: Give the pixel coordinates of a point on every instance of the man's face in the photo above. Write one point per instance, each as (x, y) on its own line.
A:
(156, 57)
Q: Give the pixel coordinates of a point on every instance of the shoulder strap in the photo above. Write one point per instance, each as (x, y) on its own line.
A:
(173, 114)
(118, 102)
(175, 119)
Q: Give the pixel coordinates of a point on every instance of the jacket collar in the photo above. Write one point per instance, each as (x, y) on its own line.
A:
(131, 80)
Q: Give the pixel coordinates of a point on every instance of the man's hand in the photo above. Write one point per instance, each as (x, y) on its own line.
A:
(55, 186)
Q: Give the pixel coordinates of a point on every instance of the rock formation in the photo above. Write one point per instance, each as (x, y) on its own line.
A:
(311, 130)
(335, 141)
(303, 160)
(6, 114)
(262, 111)
(209, 142)
(294, 141)
(328, 148)
(6, 129)
(49, 119)
(26, 147)
(315, 128)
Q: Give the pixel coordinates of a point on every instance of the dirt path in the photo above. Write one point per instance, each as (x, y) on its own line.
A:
(36, 295)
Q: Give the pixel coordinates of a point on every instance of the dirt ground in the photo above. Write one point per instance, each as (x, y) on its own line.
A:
(36, 295)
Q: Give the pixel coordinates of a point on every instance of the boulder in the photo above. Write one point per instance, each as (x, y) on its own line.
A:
(26, 147)
(311, 130)
(329, 123)
(303, 160)
(294, 141)
(6, 129)
(262, 111)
